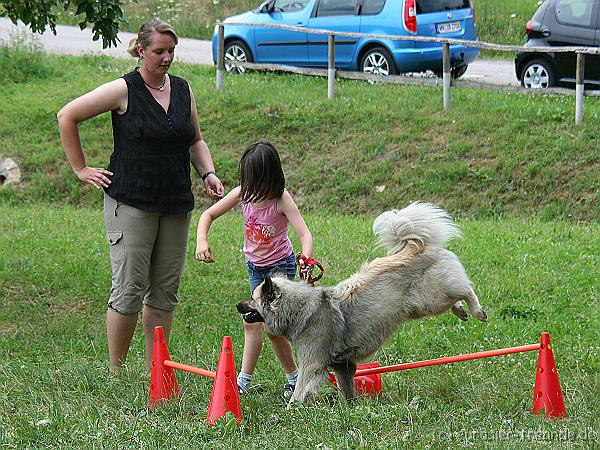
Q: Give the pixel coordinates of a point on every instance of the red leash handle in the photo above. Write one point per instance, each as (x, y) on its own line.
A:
(309, 266)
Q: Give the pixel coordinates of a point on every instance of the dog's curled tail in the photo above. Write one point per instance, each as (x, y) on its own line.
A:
(418, 223)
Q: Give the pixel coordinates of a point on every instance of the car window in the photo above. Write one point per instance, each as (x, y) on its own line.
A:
(429, 6)
(574, 12)
(336, 8)
(290, 5)
(372, 7)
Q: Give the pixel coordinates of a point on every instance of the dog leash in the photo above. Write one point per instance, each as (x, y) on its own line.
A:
(306, 272)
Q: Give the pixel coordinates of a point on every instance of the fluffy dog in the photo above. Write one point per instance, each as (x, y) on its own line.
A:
(337, 327)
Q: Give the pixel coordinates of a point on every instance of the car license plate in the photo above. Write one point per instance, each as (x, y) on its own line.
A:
(448, 27)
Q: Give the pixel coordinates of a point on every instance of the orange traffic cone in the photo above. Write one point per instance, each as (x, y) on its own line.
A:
(547, 394)
(365, 384)
(163, 384)
(368, 384)
(224, 397)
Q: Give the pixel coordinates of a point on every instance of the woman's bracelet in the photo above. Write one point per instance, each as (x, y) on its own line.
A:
(210, 172)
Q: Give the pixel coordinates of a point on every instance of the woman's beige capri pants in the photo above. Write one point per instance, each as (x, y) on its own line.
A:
(147, 253)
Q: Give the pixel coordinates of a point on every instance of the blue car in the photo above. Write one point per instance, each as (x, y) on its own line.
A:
(435, 18)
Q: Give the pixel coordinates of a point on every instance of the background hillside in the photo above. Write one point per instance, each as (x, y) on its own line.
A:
(376, 146)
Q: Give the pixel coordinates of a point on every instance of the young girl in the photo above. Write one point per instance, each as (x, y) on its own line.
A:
(267, 209)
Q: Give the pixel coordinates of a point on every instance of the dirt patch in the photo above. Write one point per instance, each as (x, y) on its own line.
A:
(7, 328)
(71, 308)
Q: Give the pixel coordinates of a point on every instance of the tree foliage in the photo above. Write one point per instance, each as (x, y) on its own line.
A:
(104, 16)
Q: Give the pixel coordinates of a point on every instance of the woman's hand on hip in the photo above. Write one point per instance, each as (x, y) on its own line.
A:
(96, 176)
(214, 187)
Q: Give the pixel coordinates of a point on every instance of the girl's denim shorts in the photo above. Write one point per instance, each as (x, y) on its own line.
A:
(256, 274)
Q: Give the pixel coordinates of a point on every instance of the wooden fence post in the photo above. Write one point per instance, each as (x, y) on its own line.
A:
(446, 75)
(220, 56)
(331, 67)
(579, 88)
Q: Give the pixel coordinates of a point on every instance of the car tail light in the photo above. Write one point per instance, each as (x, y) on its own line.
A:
(528, 28)
(473, 11)
(410, 16)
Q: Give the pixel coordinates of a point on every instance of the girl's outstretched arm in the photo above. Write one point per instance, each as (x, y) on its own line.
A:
(230, 201)
(287, 206)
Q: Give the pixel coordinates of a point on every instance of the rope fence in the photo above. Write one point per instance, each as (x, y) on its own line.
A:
(332, 73)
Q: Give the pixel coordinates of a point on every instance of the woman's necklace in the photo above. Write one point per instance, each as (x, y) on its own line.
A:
(160, 88)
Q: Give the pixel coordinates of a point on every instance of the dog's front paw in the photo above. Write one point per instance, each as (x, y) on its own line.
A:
(481, 315)
(459, 311)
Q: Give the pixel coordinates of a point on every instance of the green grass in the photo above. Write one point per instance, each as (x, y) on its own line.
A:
(23, 59)
(521, 178)
(503, 22)
(531, 276)
(374, 147)
(499, 21)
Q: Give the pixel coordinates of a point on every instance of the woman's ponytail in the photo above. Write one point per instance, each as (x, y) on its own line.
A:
(133, 48)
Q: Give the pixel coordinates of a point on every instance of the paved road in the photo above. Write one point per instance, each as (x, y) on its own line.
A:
(73, 41)
(493, 71)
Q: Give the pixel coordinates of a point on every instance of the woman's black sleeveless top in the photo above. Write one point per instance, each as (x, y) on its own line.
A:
(151, 160)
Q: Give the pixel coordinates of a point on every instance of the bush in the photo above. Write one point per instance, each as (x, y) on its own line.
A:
(23, 59)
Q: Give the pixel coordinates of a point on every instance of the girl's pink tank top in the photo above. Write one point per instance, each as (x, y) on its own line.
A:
(266, 239)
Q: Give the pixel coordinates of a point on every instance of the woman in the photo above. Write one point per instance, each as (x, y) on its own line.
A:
(148, 200)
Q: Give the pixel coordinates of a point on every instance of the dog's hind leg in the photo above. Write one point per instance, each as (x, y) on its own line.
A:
(475, 306)
(309, 381)
(459, 311)
(344, 377)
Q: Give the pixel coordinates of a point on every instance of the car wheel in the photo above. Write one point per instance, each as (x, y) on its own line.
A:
(537, 74)
(237, 51)
(378, 61)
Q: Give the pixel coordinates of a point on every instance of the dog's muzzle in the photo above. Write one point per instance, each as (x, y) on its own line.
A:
(249, 314)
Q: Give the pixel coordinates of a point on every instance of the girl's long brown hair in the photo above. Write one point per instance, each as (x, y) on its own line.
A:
(261, 175)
